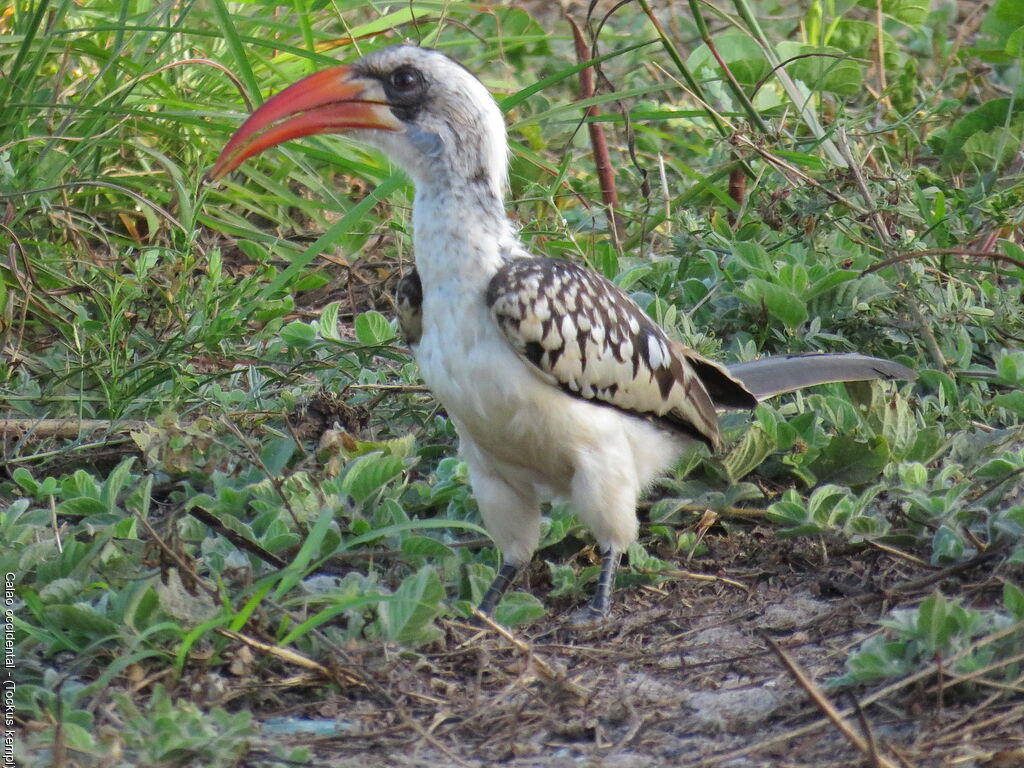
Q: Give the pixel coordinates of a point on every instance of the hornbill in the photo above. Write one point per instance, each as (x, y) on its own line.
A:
(558, 384)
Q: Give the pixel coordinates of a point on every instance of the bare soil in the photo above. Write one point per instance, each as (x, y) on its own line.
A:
(682, 675)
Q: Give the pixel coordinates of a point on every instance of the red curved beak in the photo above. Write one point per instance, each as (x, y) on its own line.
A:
(332, 101)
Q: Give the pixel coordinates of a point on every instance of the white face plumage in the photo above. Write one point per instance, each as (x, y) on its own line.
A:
(452, 127)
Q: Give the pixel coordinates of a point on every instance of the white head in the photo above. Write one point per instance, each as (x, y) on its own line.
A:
(426, 112)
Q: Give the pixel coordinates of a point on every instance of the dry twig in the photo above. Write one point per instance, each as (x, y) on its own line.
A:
(866, 746)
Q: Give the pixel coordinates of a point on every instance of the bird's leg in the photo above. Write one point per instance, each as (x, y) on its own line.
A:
(498, 587)
(602, 599)
(601, 602)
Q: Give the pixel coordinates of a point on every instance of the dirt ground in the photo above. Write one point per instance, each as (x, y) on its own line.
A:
(682, 675)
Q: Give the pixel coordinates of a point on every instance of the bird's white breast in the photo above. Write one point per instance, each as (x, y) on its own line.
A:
(534, 435)
(492, 397)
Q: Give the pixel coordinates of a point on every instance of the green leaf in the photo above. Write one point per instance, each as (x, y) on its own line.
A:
(476, 578)
(1010, 367)
(424, 546)
(741, 53)
(1015, 43)
(83, 618)
(850, 461)
(822, 68)
(276, 454)
(328, 322)
(991, 115)
(877, 659)
(564, 580)
(518, 608)
(1011, 401)
(928, 442)
(373, 329)
(944, 384)
(367, 474)
(237, 49)
(1004, 19)
(1013, 599)
(859, 40)
(24, 478)
(509, 102)
(342, 604)
(407, 617)
(81, 483)
(82, 506)
(411, 525)
(77, 738)
(948, 546)
(824, 503)
(801, 159)
(296, 569)
(641, 559)
(830, 281)
(791, 512)
(756, 446)
(311, 281)
(322, 243)
(935, 621)
(913, 475)
(911, 12)
(560, 523)
(994, 148)
(60, 590)
(779, 301)
(754, 257)
(299, 335)
(115, 482)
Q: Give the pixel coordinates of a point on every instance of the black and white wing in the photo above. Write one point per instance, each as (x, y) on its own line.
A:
(585, 335)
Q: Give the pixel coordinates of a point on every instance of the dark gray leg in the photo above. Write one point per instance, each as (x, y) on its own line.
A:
(498, 588)
(600, 604)
(602, 601)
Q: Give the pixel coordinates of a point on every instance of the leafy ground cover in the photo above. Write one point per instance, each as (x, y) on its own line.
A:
(233, 525)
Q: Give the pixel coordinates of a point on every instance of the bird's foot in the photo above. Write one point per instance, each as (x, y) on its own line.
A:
(589, 616)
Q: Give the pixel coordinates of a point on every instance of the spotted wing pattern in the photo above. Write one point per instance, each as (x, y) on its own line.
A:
(582, 333)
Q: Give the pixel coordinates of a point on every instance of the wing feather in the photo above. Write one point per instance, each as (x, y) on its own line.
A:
(585, 335)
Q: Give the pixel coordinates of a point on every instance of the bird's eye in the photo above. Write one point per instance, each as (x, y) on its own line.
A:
(405, 79)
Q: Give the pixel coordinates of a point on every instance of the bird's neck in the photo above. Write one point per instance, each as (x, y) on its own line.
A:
(461, 234)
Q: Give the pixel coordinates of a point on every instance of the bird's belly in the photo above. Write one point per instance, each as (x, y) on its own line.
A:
(523, 424)
(532, 434)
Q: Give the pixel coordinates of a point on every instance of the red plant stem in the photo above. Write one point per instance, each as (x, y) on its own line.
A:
(598, 140)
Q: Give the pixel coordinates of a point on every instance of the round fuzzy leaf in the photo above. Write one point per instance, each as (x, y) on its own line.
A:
(373, 329)
(518, 608)
(822, 68)
(424, 546)
(740, 53)
(298, 334)
(780, 302)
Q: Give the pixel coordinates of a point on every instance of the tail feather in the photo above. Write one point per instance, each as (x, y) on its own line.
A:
(719, 382)
(772, 376)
